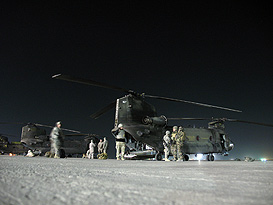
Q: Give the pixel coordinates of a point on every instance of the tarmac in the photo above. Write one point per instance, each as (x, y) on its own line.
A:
(41, 180)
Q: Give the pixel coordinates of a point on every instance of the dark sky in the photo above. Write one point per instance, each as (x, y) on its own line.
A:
(217, 53)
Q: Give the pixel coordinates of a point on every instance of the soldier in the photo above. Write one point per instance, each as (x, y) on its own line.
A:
(91, 150)
(179, 142)
(166, 144)
(105, 145)
(100, 146)
(120, 142)
(173, 143)
(57, 138)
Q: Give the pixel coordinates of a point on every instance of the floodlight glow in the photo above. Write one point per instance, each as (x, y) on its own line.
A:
(199, 156)
(263, 159)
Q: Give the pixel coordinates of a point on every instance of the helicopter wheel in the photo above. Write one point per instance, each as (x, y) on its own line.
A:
(210, 157)
(186, 158)
(158, 156)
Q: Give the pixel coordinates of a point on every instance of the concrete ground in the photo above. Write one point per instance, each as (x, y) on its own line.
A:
(42, 180)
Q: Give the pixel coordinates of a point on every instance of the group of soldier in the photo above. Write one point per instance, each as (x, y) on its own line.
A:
(102, 149)
(173, 142)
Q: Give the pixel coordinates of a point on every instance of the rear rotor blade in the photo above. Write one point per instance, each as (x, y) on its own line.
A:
(187, 118)
(89, 82)
(103, 110)
(249, 122)
(190, 102)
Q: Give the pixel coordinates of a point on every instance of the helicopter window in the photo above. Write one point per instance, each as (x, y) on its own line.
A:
(197, 138)
(210, 138)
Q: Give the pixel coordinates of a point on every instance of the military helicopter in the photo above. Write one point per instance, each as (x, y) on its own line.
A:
(11, 147)
(144, 126)
(35, 138)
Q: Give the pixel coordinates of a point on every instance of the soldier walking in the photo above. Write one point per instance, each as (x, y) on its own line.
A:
(57, 138)
(167, 144)
(173, 143)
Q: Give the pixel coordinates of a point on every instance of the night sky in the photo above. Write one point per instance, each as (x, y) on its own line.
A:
(218, 53)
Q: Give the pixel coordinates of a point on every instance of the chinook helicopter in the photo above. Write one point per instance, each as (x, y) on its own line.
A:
(35, 138)
(145, 127)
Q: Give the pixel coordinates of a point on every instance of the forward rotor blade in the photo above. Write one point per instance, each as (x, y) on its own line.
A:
(40, 125)
(103, 110)
(89, 82)
(190, 102)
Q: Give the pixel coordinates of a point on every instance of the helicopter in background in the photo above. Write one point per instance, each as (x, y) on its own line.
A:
(145, 127)
(35, 138)
(11, 148)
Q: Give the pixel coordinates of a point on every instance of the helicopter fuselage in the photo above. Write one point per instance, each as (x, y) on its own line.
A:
(140, 120)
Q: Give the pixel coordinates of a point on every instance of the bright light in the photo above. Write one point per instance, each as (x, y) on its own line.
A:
(10, 154)
(199, 156)
(263, 159)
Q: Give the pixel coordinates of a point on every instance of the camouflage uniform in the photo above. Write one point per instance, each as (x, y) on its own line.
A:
(120, 142)
(179, 142)
(57, 138)
(166, 144)
(105, 145)
(173, 143)
(100, 146)
(91, 150)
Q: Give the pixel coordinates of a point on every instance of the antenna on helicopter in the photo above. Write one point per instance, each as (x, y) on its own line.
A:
(112, 87)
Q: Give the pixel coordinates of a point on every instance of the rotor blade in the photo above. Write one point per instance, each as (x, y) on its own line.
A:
(185, 118)
(249, 122)
(190, 102)
(89, 82)
(103, 110)
(13, 123)
(40, 125)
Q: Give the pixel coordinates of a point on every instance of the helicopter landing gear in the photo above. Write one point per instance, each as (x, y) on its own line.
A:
(158, 156)
(210, 157)
(186, 157)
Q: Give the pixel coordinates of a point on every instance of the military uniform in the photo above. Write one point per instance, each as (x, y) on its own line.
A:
(56, 138)
(179, 142)
(100, 147)
(173, 143)
(120, 142)
(91, 150)
(167, 144)
(105, 145)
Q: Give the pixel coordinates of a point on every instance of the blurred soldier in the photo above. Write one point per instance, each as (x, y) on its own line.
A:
(100, 146)
(167, 144)
(57, 138)
(105, 145)
(173, 143)
(120, 141)
(179, 142)
(92, 146)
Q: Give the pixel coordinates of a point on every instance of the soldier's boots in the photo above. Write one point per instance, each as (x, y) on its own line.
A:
(56, 156)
